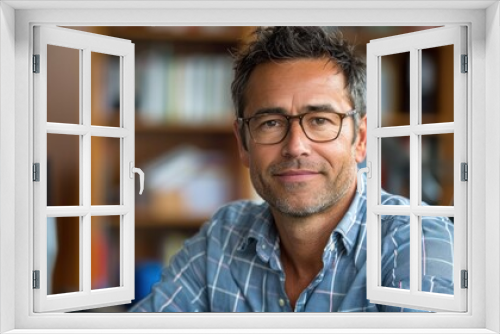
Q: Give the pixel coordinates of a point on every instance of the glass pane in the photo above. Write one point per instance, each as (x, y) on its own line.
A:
(437, 84)
(437, 254)
(63, 170)
(437, 169)
(395, 89)
(63, 255)
(105, 89)
(63, 85)
(105, 171)
(395, 251)
(395, 165)
(105, 238)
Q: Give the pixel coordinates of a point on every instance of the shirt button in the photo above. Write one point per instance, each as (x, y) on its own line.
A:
(281, 302)
(263, 246)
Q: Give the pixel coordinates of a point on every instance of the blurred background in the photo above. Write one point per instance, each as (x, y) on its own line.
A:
(185, 145)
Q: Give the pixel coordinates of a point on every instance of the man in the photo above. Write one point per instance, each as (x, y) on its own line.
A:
(299, 94)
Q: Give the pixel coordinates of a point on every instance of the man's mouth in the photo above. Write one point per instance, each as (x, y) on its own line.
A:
(296, 175)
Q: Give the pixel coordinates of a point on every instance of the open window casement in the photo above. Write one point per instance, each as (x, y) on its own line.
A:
(79, 131)
(414, 131)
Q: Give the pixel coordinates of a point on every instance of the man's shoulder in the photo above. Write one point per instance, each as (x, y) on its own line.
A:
(234, 224)
(240, 212)
(238, 216)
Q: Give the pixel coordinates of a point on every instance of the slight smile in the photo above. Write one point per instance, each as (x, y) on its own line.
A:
(298, 175)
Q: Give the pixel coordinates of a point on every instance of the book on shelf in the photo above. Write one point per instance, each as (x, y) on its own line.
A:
(183, 89)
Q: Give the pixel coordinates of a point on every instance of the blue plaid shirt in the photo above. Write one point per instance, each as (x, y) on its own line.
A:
(233, 264)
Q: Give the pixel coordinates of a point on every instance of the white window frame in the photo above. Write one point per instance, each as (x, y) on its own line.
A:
(85, 43)
(413, 44)
(482, 19)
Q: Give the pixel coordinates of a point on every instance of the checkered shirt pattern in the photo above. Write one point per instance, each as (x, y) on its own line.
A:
(233, 264)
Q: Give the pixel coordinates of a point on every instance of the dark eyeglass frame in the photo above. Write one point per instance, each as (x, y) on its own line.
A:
(246, 120)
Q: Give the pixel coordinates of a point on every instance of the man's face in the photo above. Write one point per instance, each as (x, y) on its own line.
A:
(299, 177)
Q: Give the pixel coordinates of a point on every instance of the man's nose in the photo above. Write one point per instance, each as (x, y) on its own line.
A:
(296, 142)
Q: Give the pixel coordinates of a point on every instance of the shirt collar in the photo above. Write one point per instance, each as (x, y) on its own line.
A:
(263, 232)
(349, 225)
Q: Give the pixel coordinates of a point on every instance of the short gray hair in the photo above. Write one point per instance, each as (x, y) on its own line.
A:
(286, 43)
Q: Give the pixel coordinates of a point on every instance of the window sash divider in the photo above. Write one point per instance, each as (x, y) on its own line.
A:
(433, 211)
(108, 131)
(86, 254)
(109, 210)
(434, 129)
(67, 211)
(391, 131)
(415, 173)
(67, 129)
(392, 210)
(418, 210)
(418, 129)
(80, 211)
(81, 130)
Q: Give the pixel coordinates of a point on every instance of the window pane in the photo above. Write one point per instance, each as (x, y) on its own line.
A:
(437, 254)
(63, 170)
(437, 84)
(105, 171)
(437, 169)
(63, 85)
(105, 252)
(395, 89)
(63, 255)
(105, 89)
(395, 251)
(395, 168)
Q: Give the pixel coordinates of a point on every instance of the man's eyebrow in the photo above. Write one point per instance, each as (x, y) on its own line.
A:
(319, 107)
(271, 110)
(308, 108)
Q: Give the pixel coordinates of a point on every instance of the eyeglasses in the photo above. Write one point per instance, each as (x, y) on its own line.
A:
(318, 126)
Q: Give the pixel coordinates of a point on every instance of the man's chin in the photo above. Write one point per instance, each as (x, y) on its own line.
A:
(299, 209)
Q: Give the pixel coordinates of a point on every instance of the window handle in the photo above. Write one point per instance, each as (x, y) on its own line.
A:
(133, 170)
(368, 171)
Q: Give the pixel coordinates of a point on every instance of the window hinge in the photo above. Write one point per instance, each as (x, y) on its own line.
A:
(36, 172)
(36, 63)
(36, 279)
(464, 171)
(465, 279)
(465, 64)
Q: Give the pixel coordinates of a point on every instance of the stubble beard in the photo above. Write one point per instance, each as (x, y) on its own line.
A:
(325, 198)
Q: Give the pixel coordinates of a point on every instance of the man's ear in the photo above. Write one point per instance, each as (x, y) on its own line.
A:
(360, 144)
(242, 148)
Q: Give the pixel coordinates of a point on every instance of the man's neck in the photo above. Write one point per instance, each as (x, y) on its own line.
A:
(303, 239)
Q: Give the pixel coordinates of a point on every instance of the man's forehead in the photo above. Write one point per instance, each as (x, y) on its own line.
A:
(306, 81)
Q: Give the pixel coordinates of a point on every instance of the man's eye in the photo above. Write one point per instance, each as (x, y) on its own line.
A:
(320, 121)
(270, 124)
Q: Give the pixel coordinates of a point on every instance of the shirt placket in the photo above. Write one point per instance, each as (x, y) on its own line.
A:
(328, 257)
